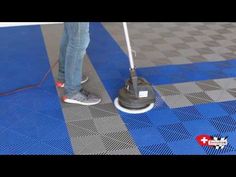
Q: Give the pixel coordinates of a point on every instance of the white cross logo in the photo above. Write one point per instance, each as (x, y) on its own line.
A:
(204, 140)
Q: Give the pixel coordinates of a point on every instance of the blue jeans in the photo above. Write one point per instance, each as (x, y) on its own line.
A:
(75, 41)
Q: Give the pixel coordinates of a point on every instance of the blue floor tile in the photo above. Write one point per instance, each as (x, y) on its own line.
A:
(162, 117)
(147, 136)
(199, 127)
(35, 114)
(211, 110)
(159, 149)
(186, 147)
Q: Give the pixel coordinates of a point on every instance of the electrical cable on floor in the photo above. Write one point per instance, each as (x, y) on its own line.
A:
(32, 86)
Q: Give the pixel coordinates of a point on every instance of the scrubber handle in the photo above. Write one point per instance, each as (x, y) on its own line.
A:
(131, 59)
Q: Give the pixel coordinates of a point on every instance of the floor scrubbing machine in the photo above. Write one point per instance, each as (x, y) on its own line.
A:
(137, 96)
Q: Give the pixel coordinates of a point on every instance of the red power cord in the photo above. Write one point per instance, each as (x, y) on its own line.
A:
(32, 86)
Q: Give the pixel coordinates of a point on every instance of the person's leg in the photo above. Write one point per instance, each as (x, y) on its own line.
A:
(78, 35)
(62, 56)
(78, 41)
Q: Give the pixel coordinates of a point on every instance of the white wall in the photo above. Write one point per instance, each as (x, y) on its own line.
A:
(8, 24)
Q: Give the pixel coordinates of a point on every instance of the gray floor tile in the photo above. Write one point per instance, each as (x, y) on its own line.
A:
(220, 50)
(229, 55)
(82, 128)
(177, 101)
(197, 58)
(232, 48)
(188, 87)
(117, 141)
(179, 60)
(103, 110)
(226, 83)
(206, 50)
(110, 124)
(89, 145)
(76, 113)
(199, 98)
(208, 85)
(166, 90)
(130, 151)
(213, 57)
(220, 95)
(232, 92)
(188, 52)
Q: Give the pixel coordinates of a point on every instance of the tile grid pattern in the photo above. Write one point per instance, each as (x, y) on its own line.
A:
(178, 43)
(193, 93)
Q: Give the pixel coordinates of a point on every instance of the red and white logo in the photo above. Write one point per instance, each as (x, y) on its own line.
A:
(203, 140)
(211, 141)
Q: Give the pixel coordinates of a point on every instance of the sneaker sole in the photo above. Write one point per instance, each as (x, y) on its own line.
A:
(81, 103)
